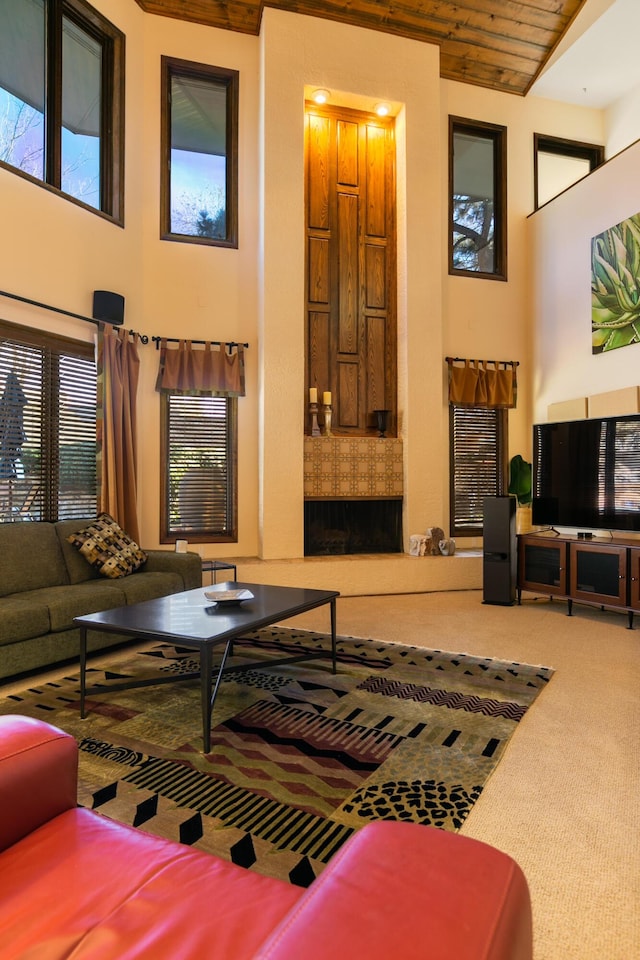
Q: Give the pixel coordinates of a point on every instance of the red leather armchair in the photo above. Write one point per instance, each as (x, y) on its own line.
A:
(74, 884)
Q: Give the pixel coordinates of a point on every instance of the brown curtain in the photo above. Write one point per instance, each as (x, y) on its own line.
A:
(211, 370)
(482, 383)
(118, 371)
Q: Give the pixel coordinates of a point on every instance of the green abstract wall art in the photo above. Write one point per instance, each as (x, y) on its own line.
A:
(615, 286)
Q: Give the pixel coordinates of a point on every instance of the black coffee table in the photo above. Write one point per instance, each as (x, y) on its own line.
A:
(193, 621)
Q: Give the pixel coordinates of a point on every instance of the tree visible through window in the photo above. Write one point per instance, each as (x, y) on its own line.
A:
(62, 99)
(478, 464)
(47, 426)
(477, 204)
(198, 454)
(199, 150)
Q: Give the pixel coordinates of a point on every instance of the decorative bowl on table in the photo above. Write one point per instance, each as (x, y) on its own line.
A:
(228, 597)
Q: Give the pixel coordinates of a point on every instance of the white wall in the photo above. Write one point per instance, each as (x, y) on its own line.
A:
(623, 122)
(560, 244)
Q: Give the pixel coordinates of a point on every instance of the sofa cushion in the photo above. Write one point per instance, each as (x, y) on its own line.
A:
(150, 586)
(22, 620)
(75, 600)
(30, 557)
(105, 545)
(77, 567)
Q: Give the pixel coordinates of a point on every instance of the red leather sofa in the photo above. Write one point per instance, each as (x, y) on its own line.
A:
(76, 885)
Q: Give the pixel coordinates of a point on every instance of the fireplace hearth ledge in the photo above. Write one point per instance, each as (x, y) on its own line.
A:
(368, 574)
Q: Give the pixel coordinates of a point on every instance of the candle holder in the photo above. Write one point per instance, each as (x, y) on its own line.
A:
(313, 411)
(382, 416)
(327, 420)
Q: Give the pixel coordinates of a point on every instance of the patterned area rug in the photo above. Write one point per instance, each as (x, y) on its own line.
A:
(299, 758)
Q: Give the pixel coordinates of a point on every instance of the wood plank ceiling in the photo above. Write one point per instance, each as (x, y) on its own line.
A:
(500, 44)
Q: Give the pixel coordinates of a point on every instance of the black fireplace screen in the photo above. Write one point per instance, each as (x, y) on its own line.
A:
(352, 526)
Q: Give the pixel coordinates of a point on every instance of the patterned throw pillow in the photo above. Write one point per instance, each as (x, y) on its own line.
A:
(106, 546)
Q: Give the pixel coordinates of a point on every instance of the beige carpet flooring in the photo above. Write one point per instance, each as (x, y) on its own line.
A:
(565, 799)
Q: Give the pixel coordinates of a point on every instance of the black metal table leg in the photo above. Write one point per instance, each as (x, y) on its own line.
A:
(209, 698)
(333, 634)
(83, 668)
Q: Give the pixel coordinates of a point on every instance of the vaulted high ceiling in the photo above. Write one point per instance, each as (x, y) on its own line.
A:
(501, 44)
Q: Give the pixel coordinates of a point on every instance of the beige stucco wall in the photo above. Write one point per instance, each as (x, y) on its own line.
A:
(359, 67)
(490, 319)
(199, 291)
(58, 253)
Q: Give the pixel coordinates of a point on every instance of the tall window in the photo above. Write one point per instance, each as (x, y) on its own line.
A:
(47, 426)
(198, 457)
(477, 199)
(62, 99)
(478, 464)
(199, 192)
(559, 163)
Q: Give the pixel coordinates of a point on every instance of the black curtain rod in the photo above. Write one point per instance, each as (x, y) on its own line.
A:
(79, 316)
(46, 306)
(214, 343)
(67, 313)
(507, 363)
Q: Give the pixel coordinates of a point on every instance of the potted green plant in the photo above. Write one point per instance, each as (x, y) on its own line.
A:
(520, 487)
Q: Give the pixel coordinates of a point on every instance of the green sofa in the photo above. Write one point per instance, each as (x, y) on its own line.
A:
(45, 583)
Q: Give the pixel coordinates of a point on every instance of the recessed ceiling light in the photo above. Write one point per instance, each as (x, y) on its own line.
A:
(320, 96)
(382, 109)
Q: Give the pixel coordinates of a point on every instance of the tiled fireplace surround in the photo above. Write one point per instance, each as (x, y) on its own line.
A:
(353, 467)
(373, 465)
(353, 495)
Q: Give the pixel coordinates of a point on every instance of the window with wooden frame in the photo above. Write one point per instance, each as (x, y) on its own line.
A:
(62, 100)
(199, 150)
(559, 163)
(477, 199)
(199, 439)
(478, 464)
(48, 444)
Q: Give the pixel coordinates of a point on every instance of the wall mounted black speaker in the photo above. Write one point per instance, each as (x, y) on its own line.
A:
(108, 306)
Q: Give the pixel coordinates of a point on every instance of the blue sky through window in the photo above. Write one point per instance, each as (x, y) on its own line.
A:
(198, 183)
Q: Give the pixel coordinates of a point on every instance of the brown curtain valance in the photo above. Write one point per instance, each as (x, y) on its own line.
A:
(209, 370)
(482, 383)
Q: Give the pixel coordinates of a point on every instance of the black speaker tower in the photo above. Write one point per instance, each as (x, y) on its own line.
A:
(499, 571)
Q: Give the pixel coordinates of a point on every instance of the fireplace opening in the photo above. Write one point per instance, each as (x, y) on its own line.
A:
(334, 527)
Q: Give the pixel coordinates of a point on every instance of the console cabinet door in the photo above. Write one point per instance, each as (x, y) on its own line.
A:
(634, 578)
(599, 574)
(542, 566)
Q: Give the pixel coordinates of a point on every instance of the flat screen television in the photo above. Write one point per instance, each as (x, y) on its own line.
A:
(586, 473)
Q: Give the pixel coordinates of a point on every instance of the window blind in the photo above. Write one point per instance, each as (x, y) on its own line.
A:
(199, 443)
(47, 426)
(478, 460)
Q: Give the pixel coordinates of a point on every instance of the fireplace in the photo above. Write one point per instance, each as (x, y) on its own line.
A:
(333, 527)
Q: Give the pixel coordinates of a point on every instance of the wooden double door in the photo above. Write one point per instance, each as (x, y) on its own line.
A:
(351, 266)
